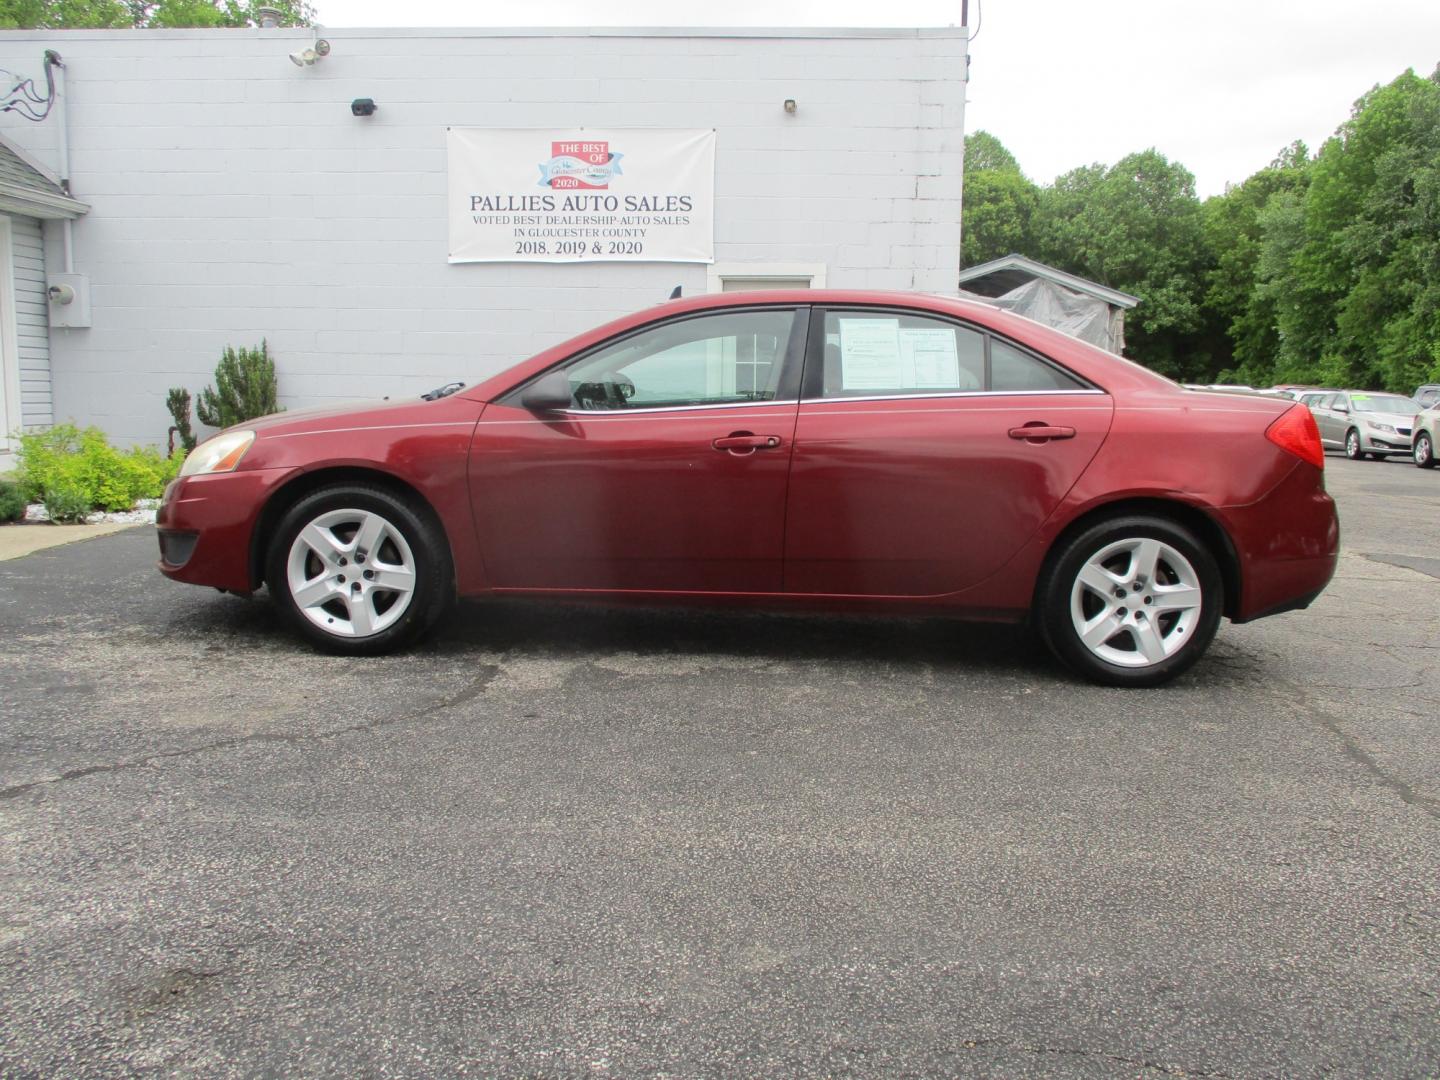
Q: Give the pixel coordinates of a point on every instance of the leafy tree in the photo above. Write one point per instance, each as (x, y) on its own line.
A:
(1350, 262)
(998, 205)
(1135, 226)
(1239, 313)
(142, 14)
(984, 151)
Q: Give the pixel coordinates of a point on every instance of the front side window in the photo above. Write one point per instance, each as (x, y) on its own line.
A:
(728, 358)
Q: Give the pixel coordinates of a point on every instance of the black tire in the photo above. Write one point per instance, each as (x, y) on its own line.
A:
(1424, 451)
(1058, 584)
(1352, 446)
(433, 575)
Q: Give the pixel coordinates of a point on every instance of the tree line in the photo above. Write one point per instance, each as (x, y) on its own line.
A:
(1321, 268)
(145, 14)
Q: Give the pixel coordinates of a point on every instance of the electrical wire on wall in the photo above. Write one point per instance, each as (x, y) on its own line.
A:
(23, 99)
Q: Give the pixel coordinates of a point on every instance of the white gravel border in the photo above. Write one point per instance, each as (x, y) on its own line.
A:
(142, 514)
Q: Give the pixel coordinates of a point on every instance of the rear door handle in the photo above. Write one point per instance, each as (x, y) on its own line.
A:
(742, 442)
(1041, 432)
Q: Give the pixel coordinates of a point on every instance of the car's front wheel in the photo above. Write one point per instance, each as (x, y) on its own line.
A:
(358, 569)
(1424, 451)
(1132, 601)
(1352, 446)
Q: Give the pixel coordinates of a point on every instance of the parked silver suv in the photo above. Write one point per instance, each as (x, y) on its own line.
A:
(1361, 423)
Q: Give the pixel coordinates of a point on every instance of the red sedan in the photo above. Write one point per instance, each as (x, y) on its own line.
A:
(844, 450)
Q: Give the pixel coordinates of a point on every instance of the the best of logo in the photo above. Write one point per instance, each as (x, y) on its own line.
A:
(587, 165)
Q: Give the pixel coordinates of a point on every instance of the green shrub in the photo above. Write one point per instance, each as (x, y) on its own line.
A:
(12, 501)
(245, 388)
(178, 402)
(66, 504)
(83, 465)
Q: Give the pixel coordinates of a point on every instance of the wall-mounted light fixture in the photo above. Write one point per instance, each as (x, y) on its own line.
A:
(318, 48)
(790, 105)
(363, 106)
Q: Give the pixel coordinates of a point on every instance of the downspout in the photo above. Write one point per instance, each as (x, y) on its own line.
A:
(52, 58)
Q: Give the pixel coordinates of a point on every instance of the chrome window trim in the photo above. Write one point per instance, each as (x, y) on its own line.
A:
(840, 399)
(675, 408)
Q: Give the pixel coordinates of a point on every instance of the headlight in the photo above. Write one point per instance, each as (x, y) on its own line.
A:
(217, 455)
(1381, 427)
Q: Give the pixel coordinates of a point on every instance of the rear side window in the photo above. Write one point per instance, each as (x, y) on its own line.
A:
(869, 353)
(883, 354)
(1011, 369)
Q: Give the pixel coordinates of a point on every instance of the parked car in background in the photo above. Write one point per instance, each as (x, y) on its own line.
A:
(1310, 398)
(863, 451)
(1427, 395)
(1427, 430)
(1362, 423)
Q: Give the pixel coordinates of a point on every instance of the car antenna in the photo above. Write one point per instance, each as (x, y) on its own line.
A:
(675, 292)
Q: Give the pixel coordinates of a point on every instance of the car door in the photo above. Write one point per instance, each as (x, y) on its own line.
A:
(667, 472)
(913, 474)
(1325, 420)
(1337, 419)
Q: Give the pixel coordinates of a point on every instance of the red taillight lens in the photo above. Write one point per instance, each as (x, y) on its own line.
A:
(1295, 431)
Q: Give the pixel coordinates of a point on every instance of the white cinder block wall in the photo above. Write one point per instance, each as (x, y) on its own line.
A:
(235, 197)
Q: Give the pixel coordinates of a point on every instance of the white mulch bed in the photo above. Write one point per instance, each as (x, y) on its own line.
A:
(142, 514)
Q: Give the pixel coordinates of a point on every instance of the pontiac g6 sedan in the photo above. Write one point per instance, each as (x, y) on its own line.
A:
(839, 450)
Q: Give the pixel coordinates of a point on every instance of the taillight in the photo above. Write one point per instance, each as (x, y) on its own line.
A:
(1295, 431)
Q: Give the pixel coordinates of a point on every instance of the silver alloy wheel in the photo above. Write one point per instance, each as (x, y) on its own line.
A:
(1352, 445)
(351, 573)
(1136, 602)
(1422, 449)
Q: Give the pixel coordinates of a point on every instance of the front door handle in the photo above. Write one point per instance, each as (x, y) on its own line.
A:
(741, 443)
(1038, 433)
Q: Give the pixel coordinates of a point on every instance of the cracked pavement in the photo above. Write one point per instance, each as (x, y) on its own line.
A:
(568, 841)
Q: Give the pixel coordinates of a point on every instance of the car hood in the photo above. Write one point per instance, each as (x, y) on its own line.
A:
(361, 414)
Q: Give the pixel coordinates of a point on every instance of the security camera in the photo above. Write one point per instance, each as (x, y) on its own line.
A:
(363, 106)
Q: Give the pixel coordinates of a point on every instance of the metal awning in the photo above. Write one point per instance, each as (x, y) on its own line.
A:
(999, 276)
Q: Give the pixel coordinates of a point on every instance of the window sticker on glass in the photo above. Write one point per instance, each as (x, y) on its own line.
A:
(928, 358)
(869, 354)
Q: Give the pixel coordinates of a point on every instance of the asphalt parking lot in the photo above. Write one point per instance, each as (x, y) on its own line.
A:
(561, 842)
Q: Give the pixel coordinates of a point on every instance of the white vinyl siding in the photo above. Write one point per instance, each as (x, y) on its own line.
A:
(32, 326)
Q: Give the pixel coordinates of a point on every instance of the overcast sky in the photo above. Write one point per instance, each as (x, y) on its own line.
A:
(1220, 86)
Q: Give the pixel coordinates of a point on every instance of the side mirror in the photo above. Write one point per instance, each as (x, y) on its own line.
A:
(1342, 408)
(549, 393)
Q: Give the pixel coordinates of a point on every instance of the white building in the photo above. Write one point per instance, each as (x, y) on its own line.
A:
(221, 194)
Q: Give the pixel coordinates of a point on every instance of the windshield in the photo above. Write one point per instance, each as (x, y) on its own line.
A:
(1384, 403)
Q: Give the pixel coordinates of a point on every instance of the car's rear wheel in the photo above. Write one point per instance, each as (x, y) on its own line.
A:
(1130, 601)
(1424, 451)
(358, 569)
(1352, 446)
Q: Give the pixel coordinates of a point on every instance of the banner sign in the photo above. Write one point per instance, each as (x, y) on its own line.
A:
(618, 195)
